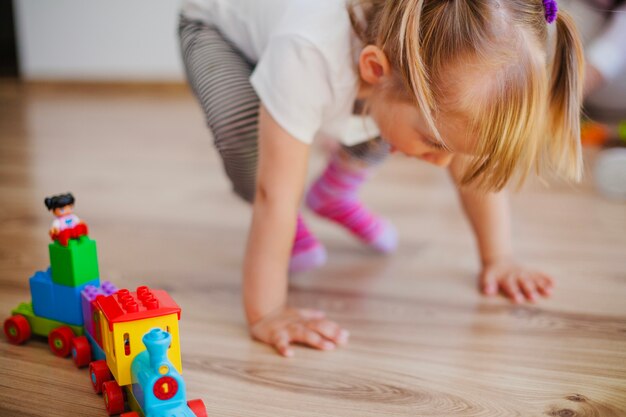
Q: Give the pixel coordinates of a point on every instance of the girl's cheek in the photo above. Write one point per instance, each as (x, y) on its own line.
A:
(439, 159)
(429, 157)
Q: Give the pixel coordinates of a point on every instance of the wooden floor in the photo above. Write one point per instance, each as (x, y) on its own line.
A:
(424, 342)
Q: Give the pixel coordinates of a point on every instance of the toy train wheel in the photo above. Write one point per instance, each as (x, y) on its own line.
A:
(113, 397)
(131, 414)
(81, 351)
(60, 341)
(17, 329)
(198, 408)
(99, 374)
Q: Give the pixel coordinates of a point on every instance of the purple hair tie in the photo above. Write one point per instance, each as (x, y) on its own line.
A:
(551, 9)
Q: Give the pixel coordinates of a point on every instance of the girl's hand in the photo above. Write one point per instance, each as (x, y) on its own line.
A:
(301, 326)
(516, 282)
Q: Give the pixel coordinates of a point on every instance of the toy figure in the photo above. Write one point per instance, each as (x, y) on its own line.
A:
(67, 225)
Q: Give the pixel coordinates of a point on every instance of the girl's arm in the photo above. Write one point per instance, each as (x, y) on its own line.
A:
(281, 176)
(489, 215)
(280, 183)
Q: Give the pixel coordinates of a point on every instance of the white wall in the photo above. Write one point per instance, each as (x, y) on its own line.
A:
(98, 40)
(126, 40)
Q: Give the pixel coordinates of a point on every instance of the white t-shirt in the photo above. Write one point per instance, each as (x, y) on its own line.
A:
(306, 61)
(65, 222)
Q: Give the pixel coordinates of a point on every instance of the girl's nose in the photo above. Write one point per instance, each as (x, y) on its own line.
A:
(440, 159)
(444, 160)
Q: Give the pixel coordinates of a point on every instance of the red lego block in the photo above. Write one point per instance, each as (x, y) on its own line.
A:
(131, 306)
(197, 407)
(64, 236)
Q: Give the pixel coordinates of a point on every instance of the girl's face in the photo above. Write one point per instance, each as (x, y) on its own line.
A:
(404, 128)
(400, 122)
(63, 211)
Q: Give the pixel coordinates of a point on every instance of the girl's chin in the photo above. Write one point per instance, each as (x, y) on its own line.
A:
(427, 157)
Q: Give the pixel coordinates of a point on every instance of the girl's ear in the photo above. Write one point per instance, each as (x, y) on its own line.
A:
(373, 64)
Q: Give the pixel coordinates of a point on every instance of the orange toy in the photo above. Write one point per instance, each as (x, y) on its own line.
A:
(593, 133)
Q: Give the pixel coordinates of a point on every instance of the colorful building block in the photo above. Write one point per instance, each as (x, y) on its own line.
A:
(96, 351)
(42, 326)
(88, 295)
(41, 291)
(126, 317)
(156, 380)
(57, 302)
(75, 264)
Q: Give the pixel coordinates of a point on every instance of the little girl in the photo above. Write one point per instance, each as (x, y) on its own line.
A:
(463, 84)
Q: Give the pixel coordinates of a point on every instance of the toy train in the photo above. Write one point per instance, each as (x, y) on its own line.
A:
(130, 340)
(139, 336)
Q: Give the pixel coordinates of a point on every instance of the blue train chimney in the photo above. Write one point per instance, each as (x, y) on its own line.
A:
(157, 342)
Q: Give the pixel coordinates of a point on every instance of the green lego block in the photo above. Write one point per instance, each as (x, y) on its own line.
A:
(74, 264)
(42, 326)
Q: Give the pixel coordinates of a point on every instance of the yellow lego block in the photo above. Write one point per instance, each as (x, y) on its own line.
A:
(124, 343)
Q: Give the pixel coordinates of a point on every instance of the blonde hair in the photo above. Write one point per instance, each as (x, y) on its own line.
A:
(529, 118)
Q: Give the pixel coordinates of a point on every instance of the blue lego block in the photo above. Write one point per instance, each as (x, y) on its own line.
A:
(57, 302)
(41, 293)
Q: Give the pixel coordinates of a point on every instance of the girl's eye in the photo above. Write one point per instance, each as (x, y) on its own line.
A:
(434, 144)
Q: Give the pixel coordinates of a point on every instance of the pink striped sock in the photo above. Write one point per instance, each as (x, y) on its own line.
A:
(307, 252)
(334, 196)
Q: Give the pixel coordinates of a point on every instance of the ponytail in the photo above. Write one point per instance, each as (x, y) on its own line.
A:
(566, 82)
(412, 63)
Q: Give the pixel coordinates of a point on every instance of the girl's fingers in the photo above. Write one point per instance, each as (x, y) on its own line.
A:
(281, 343)
(547, 282)
(544, 284)
(489, 284)
(299, 333)
(528, 287)
(330, 330)
(305, 327)
(510, 288)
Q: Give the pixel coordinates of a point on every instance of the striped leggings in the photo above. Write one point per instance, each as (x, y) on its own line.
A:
(219, 76)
